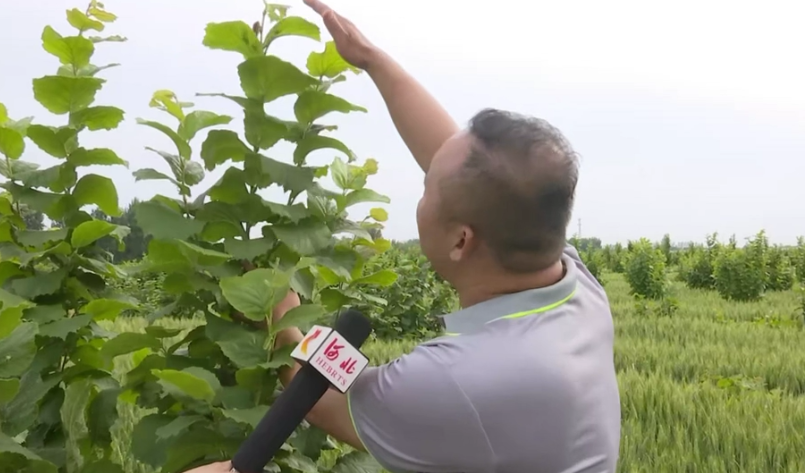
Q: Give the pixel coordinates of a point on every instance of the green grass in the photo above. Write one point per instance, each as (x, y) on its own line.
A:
(715, 387)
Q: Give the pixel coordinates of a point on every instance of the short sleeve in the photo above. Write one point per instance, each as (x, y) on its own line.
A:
(413, 417)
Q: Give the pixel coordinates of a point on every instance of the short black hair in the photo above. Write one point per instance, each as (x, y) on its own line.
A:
(515, 189)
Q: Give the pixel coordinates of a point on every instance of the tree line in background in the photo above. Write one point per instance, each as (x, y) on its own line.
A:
(409, 307)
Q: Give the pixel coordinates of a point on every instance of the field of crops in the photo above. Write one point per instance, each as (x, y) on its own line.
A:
(715, 387)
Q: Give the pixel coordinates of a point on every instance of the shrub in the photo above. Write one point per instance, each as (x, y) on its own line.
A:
(645, 269)
(696, 265)
(410, 307)
(798, 259)
(225, 252)
(741, 273)
(780, 272)
(58, 400)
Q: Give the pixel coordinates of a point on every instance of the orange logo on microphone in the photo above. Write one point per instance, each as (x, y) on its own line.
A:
(308, 339)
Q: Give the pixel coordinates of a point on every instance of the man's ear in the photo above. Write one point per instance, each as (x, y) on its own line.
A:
(464, 243)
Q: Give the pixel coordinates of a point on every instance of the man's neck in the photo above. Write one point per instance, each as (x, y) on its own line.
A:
(489, 287)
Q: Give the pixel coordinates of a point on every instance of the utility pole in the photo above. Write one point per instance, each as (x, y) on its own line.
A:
(579, 228)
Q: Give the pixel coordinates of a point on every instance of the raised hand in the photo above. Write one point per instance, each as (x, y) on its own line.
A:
(350, 42)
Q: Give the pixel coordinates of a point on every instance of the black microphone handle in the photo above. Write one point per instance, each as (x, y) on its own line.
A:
(285, 414)
(293, 404)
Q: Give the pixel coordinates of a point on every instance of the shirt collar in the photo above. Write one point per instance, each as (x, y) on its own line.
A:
(519, 304)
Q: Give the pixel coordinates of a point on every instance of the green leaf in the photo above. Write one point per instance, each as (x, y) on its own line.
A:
(302, 317)
(328, 63)
(41, 284)
(313, 104)
(293, 26)
(98, 118)
(196, 445)
(106, 309)
(251, 416)
(57, 178)
(57, 142)
(3, 114)
(102, 415)
(379, 214)
(10, 318)
(74, 51)
(9, 445)
(96, 10)
(248, 249)
(89, 232)
(199, 120)
(221, 146)
(257, 292)
(383, 278)
(178, 426)
(241, 345)
(162, 222)
(181, 145)
(20, 126)
(365, 195)
(297, 462)
(148, 174)
(22, 411)
(64, 327)
(234, 36)
(108, 39)
(267, 78)
(291, 178)
(162, 332)
(95, 157)
(38, 238)
(188, 383)
(231, 188)
(74, 418)
(146, 446)
(312, 143)
(357, 462)
(60, 95)
(98, 190)
(127, 343)
(8, 389)
(263, 131)
(18, 169)
(193, 173)
(102, 466)
(82, 22)
(305, 238)
(11, 300)
(202, 256)
(294, 213)
(12, 143)
(310, 442)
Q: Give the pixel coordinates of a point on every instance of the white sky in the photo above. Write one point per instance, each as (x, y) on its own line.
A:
(689, 115)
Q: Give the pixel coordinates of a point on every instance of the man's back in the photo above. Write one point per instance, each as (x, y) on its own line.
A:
(524, 383)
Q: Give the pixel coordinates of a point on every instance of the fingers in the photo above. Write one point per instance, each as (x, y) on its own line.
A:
(317, 6)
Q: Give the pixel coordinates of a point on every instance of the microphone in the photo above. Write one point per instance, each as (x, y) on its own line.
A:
(330, 357)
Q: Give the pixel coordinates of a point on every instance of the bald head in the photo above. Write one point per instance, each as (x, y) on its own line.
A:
(515, 188)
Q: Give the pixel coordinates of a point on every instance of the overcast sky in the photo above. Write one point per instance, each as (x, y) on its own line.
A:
(689, 115)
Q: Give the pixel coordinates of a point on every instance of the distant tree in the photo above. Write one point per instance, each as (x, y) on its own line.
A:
(136, 242)
(34, 219)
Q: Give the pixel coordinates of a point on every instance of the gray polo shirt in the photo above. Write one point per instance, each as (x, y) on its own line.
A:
(523, 383)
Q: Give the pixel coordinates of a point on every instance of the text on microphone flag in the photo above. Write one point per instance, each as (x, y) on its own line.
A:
(331, 355)
(313, 340)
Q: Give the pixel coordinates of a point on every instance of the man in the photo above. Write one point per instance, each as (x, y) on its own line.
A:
(524, 381)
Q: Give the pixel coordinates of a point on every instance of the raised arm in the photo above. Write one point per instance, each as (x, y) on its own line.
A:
(421, 121)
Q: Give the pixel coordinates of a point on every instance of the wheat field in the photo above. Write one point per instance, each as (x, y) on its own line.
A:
(712, 387)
